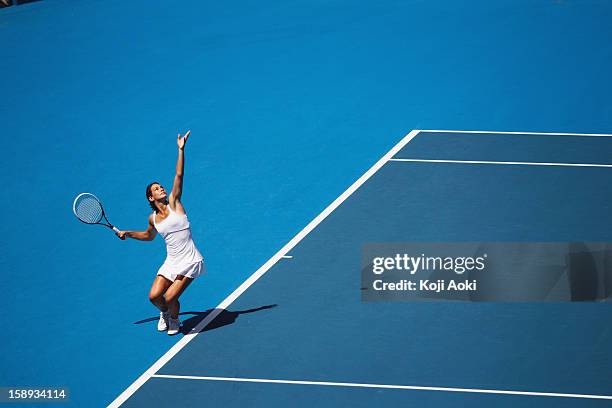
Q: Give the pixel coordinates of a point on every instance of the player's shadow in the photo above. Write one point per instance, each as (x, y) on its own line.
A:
(223, 318)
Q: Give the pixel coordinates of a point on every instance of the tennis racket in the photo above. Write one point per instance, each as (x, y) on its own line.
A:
(88, 209)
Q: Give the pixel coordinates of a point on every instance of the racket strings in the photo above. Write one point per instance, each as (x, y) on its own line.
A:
(88, 209)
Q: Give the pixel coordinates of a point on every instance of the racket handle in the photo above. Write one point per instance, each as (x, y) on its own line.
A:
(116, 230)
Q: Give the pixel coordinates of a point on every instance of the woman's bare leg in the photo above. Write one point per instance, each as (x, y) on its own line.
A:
(156, 294)
(174, 292)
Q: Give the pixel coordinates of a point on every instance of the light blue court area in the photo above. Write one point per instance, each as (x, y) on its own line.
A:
(289, 103)
(298, 333)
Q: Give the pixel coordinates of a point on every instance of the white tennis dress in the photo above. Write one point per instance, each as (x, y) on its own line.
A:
(183, 257)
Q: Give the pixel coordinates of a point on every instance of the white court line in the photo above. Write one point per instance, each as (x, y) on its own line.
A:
(144, 377)
(502, 162)
(287, 257)
(387, 386)
(518, 133)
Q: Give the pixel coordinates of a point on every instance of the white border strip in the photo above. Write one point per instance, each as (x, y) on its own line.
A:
(518, 133)
(144, 377)
(502, 162)
(397, 387)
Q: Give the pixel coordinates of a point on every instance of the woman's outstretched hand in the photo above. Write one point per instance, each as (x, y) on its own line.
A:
(122, 235)
(180, 141)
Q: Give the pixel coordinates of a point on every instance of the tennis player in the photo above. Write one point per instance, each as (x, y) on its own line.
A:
(184, 263)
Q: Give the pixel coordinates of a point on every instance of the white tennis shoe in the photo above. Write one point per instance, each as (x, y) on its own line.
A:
(162, 324)
(173, 326)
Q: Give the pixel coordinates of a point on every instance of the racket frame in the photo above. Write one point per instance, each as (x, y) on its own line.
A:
(108, 224)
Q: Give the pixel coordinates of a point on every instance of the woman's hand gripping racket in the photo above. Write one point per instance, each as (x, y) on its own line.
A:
(88, 209)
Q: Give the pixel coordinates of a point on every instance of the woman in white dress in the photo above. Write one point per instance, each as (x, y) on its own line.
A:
(184, 262)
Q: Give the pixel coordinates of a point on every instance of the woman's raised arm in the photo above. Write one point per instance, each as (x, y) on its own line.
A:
(177, 186)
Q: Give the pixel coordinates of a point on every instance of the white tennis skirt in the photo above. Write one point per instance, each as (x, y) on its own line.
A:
(192, 271)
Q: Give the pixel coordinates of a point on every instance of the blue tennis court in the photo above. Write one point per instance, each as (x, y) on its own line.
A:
(306, 337)
(289, 104)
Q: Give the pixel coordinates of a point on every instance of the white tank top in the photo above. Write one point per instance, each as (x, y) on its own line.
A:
(176, 231)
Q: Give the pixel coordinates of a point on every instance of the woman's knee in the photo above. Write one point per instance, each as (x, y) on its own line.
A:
(156, 297)
(172, 298)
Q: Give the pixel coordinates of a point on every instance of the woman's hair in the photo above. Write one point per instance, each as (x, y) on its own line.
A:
(149, 194)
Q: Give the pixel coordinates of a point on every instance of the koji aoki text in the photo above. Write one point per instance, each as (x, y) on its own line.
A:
(452, 285)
